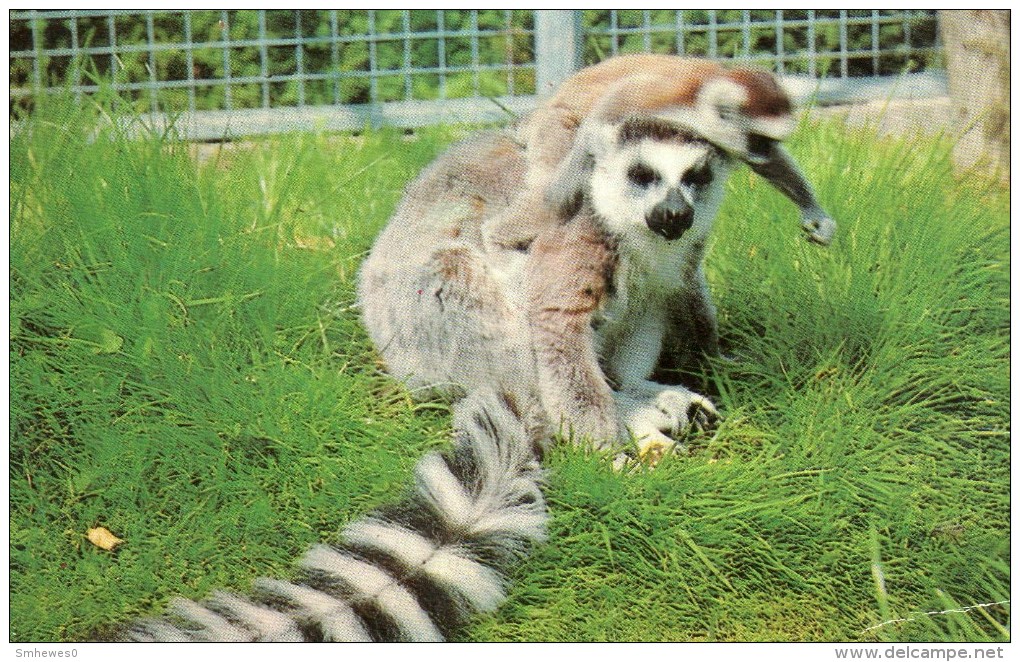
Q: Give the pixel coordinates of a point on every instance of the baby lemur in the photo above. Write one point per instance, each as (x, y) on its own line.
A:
(742, 111)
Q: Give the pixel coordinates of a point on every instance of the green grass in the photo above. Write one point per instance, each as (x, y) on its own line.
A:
(187, 371)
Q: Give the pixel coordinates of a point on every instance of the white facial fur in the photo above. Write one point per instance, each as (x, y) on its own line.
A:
(624, 206)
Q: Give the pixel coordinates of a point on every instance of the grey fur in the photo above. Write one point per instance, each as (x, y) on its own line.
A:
(575, 326)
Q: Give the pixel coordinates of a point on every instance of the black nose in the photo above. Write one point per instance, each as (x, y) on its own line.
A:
(671, 217)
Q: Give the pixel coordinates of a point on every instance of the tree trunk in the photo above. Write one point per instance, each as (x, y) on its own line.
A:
(977, 60)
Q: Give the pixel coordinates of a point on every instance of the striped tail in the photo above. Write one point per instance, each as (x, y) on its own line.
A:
(410, 572)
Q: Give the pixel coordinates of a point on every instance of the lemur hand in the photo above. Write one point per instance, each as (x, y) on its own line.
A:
(820, 228)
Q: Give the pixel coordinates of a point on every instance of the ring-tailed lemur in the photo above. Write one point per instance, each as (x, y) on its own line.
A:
(565, 336)
(741, 111)
(577, 325)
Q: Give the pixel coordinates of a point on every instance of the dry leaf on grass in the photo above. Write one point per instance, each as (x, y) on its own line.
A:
(101, 537)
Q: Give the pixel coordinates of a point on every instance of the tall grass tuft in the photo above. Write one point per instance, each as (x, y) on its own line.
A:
(188, 370)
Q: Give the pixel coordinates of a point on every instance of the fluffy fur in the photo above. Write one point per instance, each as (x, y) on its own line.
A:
(741, 111)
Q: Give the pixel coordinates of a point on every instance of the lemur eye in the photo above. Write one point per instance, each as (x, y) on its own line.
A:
(641, 175)
(698, 177)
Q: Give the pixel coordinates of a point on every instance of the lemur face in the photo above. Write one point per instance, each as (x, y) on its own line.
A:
(658, 181)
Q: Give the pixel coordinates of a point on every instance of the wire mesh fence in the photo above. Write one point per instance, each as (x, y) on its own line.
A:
(827, 43)
(204, 60)
(406, 66)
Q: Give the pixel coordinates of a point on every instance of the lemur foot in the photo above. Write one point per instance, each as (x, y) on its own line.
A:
(686, 409)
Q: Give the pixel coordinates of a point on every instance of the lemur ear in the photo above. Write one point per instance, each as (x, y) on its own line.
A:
(565, 191)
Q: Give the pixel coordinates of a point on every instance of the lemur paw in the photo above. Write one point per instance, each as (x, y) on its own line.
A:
(820, 228)
(656, 423)
(685, 409)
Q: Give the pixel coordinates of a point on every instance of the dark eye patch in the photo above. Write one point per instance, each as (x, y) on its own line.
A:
(697, 177)
(641, 175)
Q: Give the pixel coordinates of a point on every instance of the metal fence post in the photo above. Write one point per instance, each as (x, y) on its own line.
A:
(558, 41)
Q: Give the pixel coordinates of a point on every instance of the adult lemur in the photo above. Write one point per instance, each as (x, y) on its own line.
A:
(564, 337)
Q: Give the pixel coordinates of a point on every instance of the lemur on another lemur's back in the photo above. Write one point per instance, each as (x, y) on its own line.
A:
(741, 111)
(565, 336)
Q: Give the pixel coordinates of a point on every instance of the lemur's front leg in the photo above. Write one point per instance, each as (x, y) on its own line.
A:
(691, 330)
(779, 168)
(695, 313)
(655, 414)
